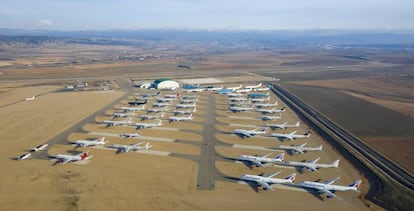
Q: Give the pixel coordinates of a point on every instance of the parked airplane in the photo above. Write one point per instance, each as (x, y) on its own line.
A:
(243, 90)
(140, 108)
(239, 109)
(249, 133)
(266, 181)
(239, 103)
(195, 90)
(186, 105)
(299, 148)
(224, 91)
(184, 111)
(283, 125)
(261, 89)
(164, 99)
(174, 96)
(254, 86)
(234, 88)
(271, 111)
(211, 88)
(73, 158)
(141, 125)
(147, 117)
(290, 136)
(260, 160)
(265, 118)
(177, 119)
(311, 165)
(262, 105)
(39, 148)
(24, 156)
(129, 135)
(329, 189)
(162, 104)
(232, 94)
(259, 100)
(131, 147)
(137, 102)
(87, 143)
(150, 94)
(120, 115)
(189, 97)
(259, 95)
(110, 123)
(156, 110)
(238, 99)
(30, 98)
(188, 100)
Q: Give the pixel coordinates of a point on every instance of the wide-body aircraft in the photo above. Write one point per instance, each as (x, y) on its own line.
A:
(88, 143)
(141, 125)
(329, 189)
(157, 110)
(254, 86)
(262, 105)
(72, 158)
(161, 104)
(183, 105)
(311, 165)
(283, 125)
(131, 147)
(139, 108)
(239, 109)
(110, 123)
(290, 136)
(177, 118)
(259, 95)
(249, 133)
(259, 100)
(270, 111)
(129, 135)
(147, 117)
(300, 148)
(265, 118)
(260, 160)
(184, 111)
(120, 115)
(266, 180)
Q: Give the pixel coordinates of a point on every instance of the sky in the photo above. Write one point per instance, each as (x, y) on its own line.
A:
(207, 14)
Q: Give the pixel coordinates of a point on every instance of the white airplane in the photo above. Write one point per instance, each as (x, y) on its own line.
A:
(254, 100)
(184, 111)
(265, 118)
(141, 125)
(150, 94)
(24, 156)
(249, 133)
(177, 119)
(232, 94)
(261, 89)
(266, 181)
(329, 189)
(195, 90)
(239, 109)
(164, 99)
(299, 148)
(260, 160)
(30, 98)
(186, 97)
(311, 165)
(243, 90)
(283, 125)
(239, 103)
(237, 99)
(161, 104)
(147, 117)
(254, 87)
(213, 88)
(139, 108)
(271, 111)
(110, 123)
(186, 105)
(234, 88)
(188, 100)
(156, 110)
(73, 158)
(262, 105)
(131, 147)
(120, 115)
(39, 148)
(129, 135)
(290, 136)
(87, 143)
(174, 96)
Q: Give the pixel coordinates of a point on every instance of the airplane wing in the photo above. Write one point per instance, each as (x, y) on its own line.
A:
(267, 186)
(272, 174)
(297, 149)
(311, 168)
(65, 160)
(265, 156)
(258, 163)
(329, 194)
(314, 161)
(330, 181)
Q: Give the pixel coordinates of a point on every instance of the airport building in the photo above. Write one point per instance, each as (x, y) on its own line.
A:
(166, 84)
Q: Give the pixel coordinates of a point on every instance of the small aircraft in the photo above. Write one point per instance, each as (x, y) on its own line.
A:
(184, 111)
(260, 160)
(254, 86)
(271, 111)
(140, 108)
(311, 165)
(243, 90)
(249, 133)
(283, 125)
(141, 125)
(147, 117)
(24, 156)
(262, 105)
(156, 110)
(39, 148)
(186, 97)
(165, 99)
(161, 104)
(259, 100)
(73, 158)
(266, 181)
(30, 98)
(299, 148)
(259, 95)
(186, 105)
(329, 189)
(150, 94)
(110, 123)
(131, 147)
(290, 136)
(265, 118)
(239, 109)
(87, 143)
(177, 119)
(120, 115)
(233, 99)
(129, 135)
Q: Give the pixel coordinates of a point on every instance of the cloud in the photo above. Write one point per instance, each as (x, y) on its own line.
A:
(44, 23)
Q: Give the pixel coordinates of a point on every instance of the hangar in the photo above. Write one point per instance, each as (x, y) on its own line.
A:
(166, 84)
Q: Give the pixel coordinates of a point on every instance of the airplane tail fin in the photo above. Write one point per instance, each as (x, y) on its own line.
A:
(280, 157)
(297, 124)
(307, 134)
(336, 163)
(320, 147)
(291, 177)
(85, 155)
(147, 146)
(356, 184)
